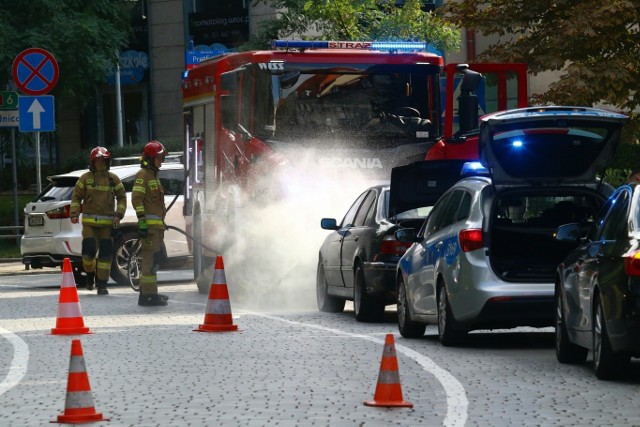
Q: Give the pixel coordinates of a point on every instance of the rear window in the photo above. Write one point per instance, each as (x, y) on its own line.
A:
(546, 211)
(549, 149)
(58, 190)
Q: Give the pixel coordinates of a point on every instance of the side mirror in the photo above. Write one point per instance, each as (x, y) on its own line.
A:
(569, 233)
(329, 224)
(406, 235)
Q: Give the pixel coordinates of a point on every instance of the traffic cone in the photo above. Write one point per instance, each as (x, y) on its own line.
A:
(217, 317)
(78, 405)
(388, 389)
(69, 321)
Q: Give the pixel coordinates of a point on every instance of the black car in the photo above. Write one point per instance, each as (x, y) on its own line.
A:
(597, 288)
(357, 261)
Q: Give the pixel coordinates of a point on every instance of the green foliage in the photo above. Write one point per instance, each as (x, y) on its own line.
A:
(594, 44)
(7, 208)
(83, 36)
(359, 20)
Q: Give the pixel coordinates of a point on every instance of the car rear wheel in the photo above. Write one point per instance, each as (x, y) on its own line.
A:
(566, 351)
(606, 363)
(122, 253)
(326, 302)
(366, 308)
(449, 332)
(407, 327)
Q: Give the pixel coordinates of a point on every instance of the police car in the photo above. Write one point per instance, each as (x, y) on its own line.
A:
(486, 256)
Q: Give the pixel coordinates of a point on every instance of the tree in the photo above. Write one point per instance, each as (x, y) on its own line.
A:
(83, 36)
(356, 20)
(594, 44)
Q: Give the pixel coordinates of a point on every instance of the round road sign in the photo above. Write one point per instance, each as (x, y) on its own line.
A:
(35, 71)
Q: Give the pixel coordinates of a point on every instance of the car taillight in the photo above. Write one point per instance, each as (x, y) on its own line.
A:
(632, 264)
(391, 246)
(470, 239)
(59, 213)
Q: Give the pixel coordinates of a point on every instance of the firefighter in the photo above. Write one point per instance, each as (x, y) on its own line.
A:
(94, 196)
(147, 198)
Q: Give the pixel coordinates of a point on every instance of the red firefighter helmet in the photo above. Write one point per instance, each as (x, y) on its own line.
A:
(100, 153)
(153, 149)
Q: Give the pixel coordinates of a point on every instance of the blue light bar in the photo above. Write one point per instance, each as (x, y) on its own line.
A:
(399, 46)
(473, 169)
(365, 45)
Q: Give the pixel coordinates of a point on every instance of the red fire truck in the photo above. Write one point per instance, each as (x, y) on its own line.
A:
(343, 107)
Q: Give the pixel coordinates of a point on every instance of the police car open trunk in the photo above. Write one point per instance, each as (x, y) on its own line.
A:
(543, 164)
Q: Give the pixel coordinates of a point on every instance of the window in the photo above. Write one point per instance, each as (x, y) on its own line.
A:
(465, 207)
(614, 225)
(172, 181)
(348, 219)
(435, 218)
(365, 208)
(449, 215)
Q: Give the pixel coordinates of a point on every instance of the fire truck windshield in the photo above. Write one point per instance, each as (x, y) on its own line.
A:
(361, 105)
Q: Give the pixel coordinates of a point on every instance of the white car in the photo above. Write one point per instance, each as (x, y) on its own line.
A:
(49, 236)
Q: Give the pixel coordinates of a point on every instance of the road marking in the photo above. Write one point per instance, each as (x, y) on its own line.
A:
(18, 366)
(457, 402)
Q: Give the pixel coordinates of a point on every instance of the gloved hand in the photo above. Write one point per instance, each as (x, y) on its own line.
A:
(143, 228)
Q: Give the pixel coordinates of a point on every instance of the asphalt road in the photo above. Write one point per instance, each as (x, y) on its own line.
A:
(286, 365)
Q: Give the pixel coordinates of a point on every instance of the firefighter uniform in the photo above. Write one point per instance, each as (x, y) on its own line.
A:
(94, 196)
(147, 197)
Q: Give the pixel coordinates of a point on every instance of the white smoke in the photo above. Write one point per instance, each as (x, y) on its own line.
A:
(272, 263)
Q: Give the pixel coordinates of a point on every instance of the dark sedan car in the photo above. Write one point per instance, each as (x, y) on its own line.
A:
(357, 261)
(597, 288)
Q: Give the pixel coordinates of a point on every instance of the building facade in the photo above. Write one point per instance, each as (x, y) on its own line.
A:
(151, 68)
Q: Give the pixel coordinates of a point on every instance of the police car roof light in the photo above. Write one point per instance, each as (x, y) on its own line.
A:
(473, 169)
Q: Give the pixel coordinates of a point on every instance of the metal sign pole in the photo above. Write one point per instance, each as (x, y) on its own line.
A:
(119, 138)
(14, 173)
(38, 179)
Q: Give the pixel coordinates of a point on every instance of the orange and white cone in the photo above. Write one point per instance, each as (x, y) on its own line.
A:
(388, 390)
(217, 316)
(78, 406)
(69, 321)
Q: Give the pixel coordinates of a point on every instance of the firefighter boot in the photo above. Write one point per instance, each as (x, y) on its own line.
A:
(151, 300)
(102, 287)
(90, 281)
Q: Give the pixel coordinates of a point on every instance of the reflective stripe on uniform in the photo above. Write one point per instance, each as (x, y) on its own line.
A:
(149, 279)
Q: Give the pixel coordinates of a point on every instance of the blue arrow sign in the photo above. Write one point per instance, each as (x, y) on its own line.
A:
(36, 113)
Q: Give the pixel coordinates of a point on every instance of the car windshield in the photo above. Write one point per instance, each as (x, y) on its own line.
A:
(358, 103)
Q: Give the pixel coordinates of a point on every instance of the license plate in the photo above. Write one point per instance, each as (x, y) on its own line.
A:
(36, 220)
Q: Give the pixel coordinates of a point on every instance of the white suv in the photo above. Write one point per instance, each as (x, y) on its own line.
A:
(49, 236)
